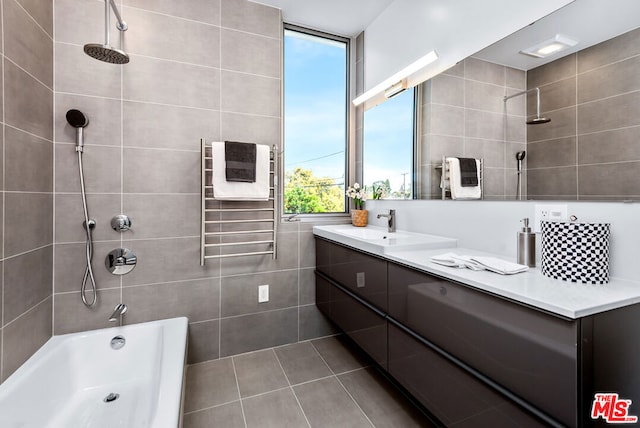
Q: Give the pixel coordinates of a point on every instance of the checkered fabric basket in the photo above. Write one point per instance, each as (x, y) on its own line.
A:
(576, 252)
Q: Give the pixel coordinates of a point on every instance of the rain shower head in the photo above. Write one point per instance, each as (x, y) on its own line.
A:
(538, 121)
(105, 52)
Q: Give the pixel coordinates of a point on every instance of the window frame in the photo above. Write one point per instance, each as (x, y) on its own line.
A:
(349, 126)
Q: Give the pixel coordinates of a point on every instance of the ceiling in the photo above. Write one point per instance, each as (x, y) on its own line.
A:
(341, 17)
(589, 21)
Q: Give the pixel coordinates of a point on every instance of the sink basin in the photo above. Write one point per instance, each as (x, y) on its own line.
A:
(378, 240)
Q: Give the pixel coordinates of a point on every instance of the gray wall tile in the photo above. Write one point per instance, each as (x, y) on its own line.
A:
(197, 300)
(27, 44)
(204, 340)
(438, 146)
(29, 162)
(27, 103)
(162, 260)
(481, 124)
(41, 11)
(609, 113)
(24, 336)
(609, 179)
(553, 96)
(244, 93)
(27, 281)
(71, 316)
(187, 41)
(552, 182)
(101, 169)
(168, 127)
(307, 284)
(447, 120)
(484, 96)
(618, 145)
(257, 331)
(162, 81)
(88, 22)
(251, 17)
(287, 247)
(446, 89)
(314, 324)
(516, 78)
(616, 49)
(250, 53)
(162, 216)
(516, 105)
(250, 128)
(563, 124)
(484, 71)
(161, 171)
(620, 77)
(493, 152)
(240, 293)
(30, 218)
(198, 10)
(550, 153)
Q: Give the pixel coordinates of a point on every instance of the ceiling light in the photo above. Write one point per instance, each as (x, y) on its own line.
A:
(400, 75)
(559, 43)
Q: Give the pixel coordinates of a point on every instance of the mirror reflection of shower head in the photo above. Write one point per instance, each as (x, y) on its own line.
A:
(78, 120)
(106, 52)
(538, 120)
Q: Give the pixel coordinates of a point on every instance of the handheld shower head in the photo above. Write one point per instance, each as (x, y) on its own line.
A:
(520, 155)
(78, 120)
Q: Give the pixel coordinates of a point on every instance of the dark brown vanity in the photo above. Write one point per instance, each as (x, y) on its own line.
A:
(472, 358)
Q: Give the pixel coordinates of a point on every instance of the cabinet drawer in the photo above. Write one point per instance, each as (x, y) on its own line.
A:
(530, 353)
(364, 325)
(449, 392)
(364, 275)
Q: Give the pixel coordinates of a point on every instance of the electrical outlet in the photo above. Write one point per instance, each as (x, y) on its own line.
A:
(263, 293)
(555, 212)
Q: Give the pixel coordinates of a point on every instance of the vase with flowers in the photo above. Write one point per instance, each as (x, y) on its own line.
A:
(359, 194)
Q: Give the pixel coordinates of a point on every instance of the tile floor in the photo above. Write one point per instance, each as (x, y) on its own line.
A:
(320, 383)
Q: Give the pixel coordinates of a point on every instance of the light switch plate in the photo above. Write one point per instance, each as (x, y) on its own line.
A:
(263, 293)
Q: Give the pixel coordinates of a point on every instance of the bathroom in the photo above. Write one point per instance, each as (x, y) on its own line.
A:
(200, 69)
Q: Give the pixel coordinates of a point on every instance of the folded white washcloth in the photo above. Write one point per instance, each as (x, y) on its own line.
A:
(491, 264)
(500, 266)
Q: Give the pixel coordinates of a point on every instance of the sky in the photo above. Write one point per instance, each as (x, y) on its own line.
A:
(314, 109)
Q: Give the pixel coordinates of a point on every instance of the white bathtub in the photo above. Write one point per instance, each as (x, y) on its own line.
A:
(65, 383)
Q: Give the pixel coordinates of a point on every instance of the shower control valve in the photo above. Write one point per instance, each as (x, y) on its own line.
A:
(121, 223)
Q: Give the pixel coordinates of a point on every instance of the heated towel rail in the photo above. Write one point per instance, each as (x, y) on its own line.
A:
(445, 178)
(236, 228)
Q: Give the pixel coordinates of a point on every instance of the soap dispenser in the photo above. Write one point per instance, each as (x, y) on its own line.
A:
(526, 245)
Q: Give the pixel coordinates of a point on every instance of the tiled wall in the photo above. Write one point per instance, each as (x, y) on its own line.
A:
(590, 148)
(199, 68)
(27, 236)
(464, 114)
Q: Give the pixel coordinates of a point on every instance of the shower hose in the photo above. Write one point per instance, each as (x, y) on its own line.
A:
(89, 224)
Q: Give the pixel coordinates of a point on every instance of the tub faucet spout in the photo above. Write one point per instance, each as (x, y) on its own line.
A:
(118, 312)
(391, 220)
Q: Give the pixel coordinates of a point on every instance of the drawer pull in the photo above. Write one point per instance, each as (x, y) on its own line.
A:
(360, 279)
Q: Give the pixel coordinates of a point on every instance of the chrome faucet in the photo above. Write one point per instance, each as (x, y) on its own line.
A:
(391, 220)
(118, 312)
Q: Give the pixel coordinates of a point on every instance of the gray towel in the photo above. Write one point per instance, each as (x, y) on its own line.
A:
(240, 161)
(468, 172)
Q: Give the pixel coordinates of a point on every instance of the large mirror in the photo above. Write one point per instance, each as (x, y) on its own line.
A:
(590, 148)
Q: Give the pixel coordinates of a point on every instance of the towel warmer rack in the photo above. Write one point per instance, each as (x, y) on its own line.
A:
(229, 227)
(446, 178)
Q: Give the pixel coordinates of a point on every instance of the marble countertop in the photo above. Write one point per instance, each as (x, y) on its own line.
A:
(571, 300)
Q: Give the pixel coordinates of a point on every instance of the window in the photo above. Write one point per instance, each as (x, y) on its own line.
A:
(389, 146)
(315, 121)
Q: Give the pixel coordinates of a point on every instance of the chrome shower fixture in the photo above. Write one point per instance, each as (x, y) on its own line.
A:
(538, 119)
(106, 52)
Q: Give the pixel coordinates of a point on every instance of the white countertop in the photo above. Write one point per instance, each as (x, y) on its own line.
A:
(571, 300)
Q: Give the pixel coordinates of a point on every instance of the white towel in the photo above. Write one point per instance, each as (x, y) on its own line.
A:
(492, 264)
(239, 191)
(457, 190)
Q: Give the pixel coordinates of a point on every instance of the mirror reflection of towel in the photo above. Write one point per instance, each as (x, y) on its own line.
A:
(240, 161)
(468, 172)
